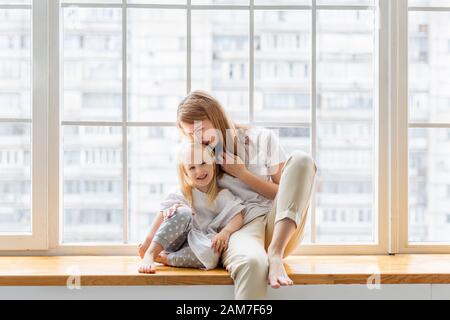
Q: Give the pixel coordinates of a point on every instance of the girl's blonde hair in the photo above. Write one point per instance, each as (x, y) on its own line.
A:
(199, 106)
(185, 181)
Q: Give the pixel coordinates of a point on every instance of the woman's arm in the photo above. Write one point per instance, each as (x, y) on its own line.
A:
(220, 242)
(236, 168)
(234, 224)
(268, 189)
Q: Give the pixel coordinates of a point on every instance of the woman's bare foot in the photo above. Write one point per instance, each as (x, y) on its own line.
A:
(278, 276)
(147, 265)
(162, 258)
(143, 247)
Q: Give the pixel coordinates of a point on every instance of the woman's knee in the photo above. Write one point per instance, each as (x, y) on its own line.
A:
(302, 162)
(250, 265)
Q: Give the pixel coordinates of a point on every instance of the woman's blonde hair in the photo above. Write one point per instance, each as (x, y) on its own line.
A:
(191, 151)
(199, 106)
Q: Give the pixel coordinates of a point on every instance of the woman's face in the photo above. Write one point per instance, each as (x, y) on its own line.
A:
(203, 131)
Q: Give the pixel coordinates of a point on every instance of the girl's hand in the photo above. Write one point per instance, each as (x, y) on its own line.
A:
(233, 165)
(220, 241)
(171, 211)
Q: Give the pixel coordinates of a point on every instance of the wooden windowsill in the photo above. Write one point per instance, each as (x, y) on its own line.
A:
(122, 271)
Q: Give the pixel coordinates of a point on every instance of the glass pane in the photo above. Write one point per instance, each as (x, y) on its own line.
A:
(294, 138)
(157, 1)
(156, 63)
(283, 66)
(347, 2)
(283, 2)
(429, 67)
(15, 2)
(221, 2)
(429, 185)
(220, 58)
(15, 178)
(15, 102)
(429, 3)
(152, 174)
(92, 186)
(92, 68)
(15, 63)
(346, 139)
(96, 1)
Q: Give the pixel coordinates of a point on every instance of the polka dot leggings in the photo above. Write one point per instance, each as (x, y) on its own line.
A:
(172, 236)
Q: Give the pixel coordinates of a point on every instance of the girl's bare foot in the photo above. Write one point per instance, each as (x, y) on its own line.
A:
(147, 265)
(143, 247)
(278, 276)
(162, 258)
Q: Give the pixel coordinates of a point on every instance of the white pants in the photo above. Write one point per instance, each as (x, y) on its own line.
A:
(246, 257)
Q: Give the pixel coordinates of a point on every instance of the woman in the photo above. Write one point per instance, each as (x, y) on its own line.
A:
(276, 191)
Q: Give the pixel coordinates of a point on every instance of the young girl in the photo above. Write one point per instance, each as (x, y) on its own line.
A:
(197, 229)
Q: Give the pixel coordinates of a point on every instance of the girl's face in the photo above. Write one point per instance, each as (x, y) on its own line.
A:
(201, 171)
(203, 131)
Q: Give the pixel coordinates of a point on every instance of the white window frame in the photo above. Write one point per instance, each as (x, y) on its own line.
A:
(382, 193)
(37, 239)
(392, 129)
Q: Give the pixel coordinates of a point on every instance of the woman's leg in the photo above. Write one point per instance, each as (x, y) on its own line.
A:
(171, 235)
(246, 261)
(286, 221)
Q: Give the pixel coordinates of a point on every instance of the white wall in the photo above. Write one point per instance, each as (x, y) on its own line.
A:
(415, 292)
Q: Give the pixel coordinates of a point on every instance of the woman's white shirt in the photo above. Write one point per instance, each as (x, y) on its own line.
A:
(262, 154)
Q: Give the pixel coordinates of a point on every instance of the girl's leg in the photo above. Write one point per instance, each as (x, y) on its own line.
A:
(246, 261)
(285, 223)
(170, 236)
(184, 258)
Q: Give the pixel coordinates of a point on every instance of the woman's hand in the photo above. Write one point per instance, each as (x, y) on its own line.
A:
(233, 165)
(220, 241)
(171, 211)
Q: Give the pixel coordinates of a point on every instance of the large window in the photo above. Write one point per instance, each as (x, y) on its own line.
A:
(125, 67)
(329, 76)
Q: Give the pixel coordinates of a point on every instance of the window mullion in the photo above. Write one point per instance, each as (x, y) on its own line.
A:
(313, 108)
(252, 63)
(39, 124)
(54, 175)
(124, 120)
(401, 147)
(382, 127)
(189, 46)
